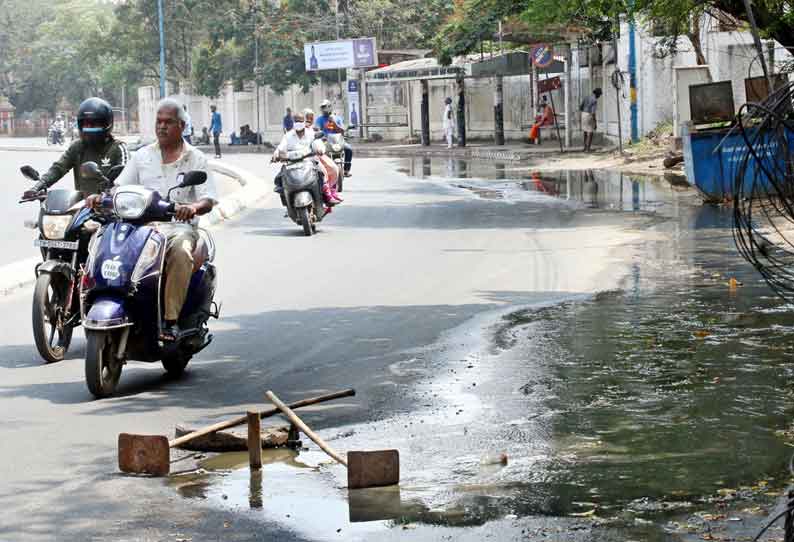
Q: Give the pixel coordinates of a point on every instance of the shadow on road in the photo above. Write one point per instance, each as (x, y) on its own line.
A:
(296, 353)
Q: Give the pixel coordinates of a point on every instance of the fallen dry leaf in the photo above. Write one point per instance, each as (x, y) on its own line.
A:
(589, 513)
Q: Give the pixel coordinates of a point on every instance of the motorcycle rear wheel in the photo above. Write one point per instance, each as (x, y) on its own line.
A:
(102, 371)
(49, 296)
(306, 222)
(174, 364)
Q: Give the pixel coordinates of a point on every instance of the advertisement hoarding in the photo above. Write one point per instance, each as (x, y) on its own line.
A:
(335, 55)
(352, 102)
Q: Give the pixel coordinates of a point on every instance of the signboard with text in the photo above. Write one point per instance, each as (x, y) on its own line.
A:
(547, 85)
(352, 102)
(336, 55)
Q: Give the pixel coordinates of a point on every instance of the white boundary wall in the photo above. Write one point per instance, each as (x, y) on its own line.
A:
(730, 56)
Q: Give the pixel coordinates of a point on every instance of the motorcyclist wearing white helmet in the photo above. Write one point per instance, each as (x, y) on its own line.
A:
(329, 123)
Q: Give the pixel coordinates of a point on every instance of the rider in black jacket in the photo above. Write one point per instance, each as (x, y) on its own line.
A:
(96, 144)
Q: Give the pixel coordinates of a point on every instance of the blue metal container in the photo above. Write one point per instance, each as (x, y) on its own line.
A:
(712, 161)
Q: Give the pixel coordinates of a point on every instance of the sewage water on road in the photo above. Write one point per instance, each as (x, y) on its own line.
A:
(657, 411)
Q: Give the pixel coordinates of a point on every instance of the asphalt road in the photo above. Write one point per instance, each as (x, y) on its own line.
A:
(19, 246)
(399, 264)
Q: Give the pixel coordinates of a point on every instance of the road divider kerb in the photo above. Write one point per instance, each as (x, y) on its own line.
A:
(20, 274)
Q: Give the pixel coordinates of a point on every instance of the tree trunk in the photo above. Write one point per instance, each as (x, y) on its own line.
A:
(766, 17)
(694, 38)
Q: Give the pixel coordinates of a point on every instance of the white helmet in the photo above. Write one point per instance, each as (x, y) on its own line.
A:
(325, 106)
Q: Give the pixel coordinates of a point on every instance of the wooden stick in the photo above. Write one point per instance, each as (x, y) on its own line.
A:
(254, 441)
(305, 428)
(264, 414)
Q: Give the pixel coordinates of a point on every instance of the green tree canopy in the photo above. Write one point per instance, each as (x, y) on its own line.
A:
(475, 21)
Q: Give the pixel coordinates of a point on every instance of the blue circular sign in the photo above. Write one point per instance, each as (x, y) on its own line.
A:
(542, 56)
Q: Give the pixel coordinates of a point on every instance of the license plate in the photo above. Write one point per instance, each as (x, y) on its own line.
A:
(48, 243)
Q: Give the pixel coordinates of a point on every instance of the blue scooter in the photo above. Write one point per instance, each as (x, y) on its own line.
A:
(122, 290)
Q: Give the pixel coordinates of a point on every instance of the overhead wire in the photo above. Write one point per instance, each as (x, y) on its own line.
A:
(762, 171)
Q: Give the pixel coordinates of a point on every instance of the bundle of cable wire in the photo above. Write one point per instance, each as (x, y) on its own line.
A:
(763, 180)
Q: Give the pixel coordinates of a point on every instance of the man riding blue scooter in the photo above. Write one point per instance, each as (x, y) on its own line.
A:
(158, 166)
(329, 123)
(150, 282)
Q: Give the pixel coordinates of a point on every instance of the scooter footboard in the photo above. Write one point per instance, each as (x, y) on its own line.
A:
(106, 313)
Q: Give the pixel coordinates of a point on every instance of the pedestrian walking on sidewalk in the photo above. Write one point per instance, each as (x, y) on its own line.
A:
(588, 110)
(448, 121)
(187, 133)
(216, 126)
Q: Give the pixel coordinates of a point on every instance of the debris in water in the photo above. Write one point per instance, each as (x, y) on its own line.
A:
(495, 459)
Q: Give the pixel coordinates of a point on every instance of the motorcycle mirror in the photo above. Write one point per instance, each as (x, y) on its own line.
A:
(115, 171)
(193, 178)
(90, 169)
(29, 173)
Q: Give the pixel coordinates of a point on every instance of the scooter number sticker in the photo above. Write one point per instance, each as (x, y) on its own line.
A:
(111, 269)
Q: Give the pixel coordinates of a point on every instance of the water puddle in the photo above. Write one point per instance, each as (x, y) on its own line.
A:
(657, 411)
(588, 189)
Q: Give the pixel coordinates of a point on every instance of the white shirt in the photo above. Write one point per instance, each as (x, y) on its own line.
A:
(188, 126)
(449, 117)
(291, 141)
(146, 168)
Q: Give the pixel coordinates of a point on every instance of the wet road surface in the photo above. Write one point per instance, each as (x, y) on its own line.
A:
(463, 308)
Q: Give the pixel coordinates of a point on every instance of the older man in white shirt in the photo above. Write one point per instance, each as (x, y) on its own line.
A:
(157, 166)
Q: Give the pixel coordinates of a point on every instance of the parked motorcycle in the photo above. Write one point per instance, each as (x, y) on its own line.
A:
(335, 148)
(65, 227)
(122, 291)
(302, 194)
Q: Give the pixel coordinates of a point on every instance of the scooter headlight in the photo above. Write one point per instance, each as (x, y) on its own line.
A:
(148, 257)
(54, 226)
(129, 206)
(130, 202)
(336, 148)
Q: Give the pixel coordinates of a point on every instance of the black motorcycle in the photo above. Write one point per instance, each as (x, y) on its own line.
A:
(65, 227)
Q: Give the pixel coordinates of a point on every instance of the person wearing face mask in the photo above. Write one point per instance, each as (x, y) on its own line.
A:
(96, 144)
(300, 138)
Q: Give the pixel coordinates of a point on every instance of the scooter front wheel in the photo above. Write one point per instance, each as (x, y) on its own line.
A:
(102, 370)
(306, 222)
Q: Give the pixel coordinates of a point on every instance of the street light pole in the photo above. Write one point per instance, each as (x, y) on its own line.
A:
(256, 68)
(256, 80)
(162, 49)
(338, 71)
